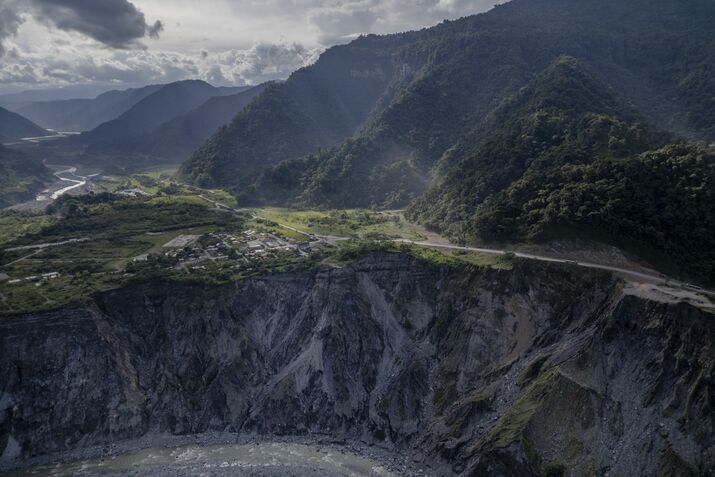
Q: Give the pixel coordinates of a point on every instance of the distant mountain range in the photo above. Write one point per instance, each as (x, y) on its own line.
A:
(179, 137)
(149, 125)
(13, 101)
(14, 127)
(165, 126)
(162, 105)
(85, 114)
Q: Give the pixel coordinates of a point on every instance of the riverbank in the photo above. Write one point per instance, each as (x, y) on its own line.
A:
(69, 178)
(223, 454)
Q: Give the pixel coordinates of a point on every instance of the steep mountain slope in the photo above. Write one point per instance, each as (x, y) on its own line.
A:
(179, 137)
(163, 105)
(563, 111)
(14, 127)
(21, 177)
(85, 114)
(540, 370)
(163, 127)
(444, 81)
(318, 106)
(566, 157)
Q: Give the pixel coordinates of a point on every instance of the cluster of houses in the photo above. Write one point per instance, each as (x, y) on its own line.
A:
(194, 254)
(135, 192)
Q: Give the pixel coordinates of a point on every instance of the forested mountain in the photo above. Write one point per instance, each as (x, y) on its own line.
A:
(164, 126)
(168, 102)
(20, 176)
(569, 158)
(420, 93)
(318, 106)
(85, 114)
(14, 127)
(179, 137)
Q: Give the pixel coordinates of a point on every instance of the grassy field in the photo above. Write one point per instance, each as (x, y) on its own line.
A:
(161, 173)
(28, 296)
(350, 250)
(113, 232)
(356, 223)
(15, 224)
(269, 226)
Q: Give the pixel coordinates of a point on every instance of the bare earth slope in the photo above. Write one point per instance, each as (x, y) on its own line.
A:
(493, 372)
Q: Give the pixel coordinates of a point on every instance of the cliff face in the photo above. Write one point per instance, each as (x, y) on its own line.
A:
(534, 371)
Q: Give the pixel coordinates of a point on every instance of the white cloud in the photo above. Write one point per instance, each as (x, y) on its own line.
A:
(338, 25)
(68, 65)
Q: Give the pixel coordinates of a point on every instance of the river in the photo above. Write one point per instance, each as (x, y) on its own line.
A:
(255, 460)
(63, 174)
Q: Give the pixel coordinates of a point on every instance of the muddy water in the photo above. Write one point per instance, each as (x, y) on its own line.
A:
(272, 459)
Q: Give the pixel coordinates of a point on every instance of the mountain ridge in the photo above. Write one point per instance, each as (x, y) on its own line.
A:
(453, 75)
(86, 113)
(167, 102)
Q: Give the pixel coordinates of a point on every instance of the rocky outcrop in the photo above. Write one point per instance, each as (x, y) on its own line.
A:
(539, 370)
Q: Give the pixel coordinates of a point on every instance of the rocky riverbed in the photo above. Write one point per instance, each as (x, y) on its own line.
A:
(218, 454)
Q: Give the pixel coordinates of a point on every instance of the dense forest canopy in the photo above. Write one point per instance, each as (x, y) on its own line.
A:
(570, 158)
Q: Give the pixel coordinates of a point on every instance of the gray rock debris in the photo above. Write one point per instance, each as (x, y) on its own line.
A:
(537, 370)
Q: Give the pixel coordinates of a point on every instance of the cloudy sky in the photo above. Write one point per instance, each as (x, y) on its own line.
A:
(51, 43)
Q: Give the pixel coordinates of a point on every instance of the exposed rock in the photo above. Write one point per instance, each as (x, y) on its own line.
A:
(540, 370)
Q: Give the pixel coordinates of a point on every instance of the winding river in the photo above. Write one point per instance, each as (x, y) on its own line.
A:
(75, 181)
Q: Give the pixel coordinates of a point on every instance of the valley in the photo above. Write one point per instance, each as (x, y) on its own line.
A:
(433, 240)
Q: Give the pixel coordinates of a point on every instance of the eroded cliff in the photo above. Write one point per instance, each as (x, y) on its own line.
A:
(539, 370)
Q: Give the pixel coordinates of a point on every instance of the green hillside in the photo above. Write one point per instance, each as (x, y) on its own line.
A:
(20, 177)
(568, 159)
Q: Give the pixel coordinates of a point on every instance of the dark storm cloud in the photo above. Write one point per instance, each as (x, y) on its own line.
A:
(154, 30)
(115, 23)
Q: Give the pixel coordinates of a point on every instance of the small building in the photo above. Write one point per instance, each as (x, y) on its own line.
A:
(51, 275)
(180, 241)
(255, 245)
(136, 192)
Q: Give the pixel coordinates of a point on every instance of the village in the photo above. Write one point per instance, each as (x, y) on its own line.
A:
(198, 253)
